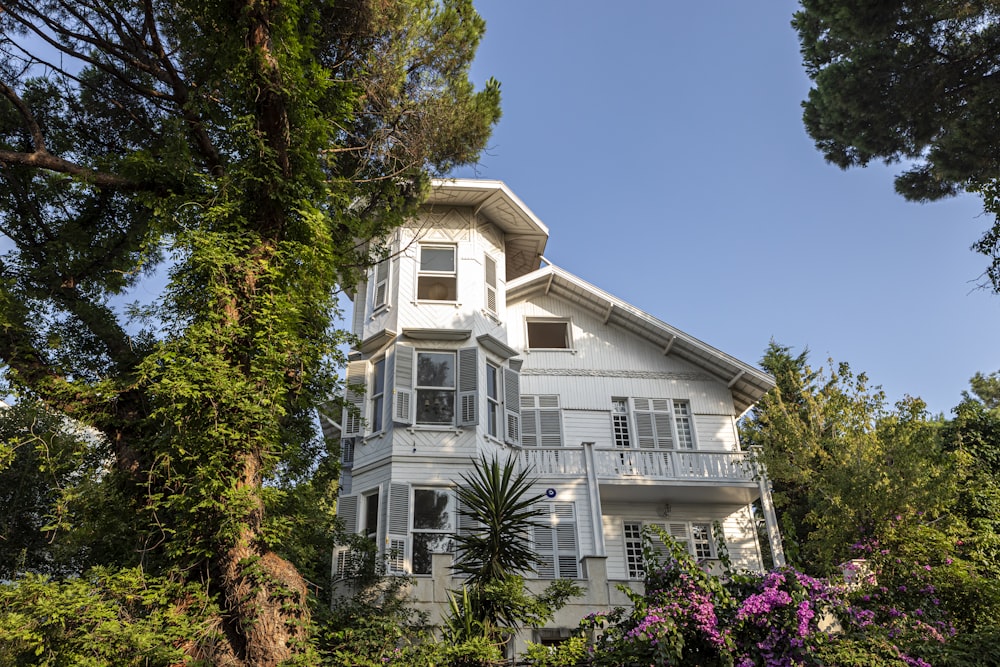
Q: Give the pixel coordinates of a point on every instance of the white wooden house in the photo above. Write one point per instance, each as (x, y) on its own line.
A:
(472, 343)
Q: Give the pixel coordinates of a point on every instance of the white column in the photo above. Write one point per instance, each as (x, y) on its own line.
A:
(594, 493)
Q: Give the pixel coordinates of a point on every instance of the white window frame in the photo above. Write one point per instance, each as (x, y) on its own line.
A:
(448, 532)
(697, 536)
(494, 411)
(620, 428)
(376, 402)
(451, 275)
(565, 322)
(451, 389)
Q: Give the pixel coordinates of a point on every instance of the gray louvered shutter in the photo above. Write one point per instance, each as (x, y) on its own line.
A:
(663, 421)
(468, 382)
(512, 406)
(544, 544)
(402, 385)
(398, 528)
(347, 511)
(354, 411)
(490, 266)
(549, 422)
(381, 289)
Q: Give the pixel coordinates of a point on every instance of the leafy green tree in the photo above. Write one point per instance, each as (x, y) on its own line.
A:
(910, 82)
(245, 153)
(842, 462)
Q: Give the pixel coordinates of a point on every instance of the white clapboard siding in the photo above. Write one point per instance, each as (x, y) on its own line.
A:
(581, 426)
(715, 432)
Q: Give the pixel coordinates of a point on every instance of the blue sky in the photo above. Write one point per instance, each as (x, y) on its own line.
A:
(662, 144)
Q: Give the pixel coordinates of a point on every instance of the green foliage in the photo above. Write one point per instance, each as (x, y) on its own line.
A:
(841, 462)
(103, 618)
(497, 499)
(571, 652)
(230, 165)
(57, 499)
(907, 82)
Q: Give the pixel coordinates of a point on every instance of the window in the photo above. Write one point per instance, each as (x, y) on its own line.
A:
(662, 423)
(437, 280)
(378, 396)
(682, 419)
(433, 526)
(696, 537)
(370, 529)
(435, 387)
(380, 292)
(619, 422)
(548, 335)
(490, 268)
(492, 400)
(555, 542)
(541, 423)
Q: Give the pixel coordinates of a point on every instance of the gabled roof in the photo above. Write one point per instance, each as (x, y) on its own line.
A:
(525, 235)
(747, 383)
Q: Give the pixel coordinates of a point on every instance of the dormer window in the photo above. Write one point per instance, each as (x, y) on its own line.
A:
(437, 279)
(549, 335)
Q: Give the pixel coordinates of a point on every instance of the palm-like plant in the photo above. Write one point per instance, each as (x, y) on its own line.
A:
(496, 498)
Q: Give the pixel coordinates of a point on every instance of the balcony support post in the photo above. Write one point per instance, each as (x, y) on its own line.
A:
(594, 493)
(770, 518)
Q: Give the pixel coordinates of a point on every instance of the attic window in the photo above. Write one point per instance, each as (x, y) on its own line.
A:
(548, 335)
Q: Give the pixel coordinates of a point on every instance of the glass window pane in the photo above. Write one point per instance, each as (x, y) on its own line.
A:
(378, 380)
(437, 259)
(435, 406)
(432, 509)
(435, 369)
(426, 544)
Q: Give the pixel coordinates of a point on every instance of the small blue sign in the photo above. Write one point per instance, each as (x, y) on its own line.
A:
(551, 493)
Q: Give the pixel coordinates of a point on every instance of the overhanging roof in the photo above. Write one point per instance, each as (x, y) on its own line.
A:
(525, 235)
(747, 383)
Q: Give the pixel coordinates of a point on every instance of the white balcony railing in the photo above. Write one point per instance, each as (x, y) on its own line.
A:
(619, 464)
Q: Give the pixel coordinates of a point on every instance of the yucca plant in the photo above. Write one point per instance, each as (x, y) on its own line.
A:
(496, 498)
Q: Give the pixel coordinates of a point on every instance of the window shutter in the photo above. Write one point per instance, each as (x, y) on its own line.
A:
(354, 411)
(491, 284)
(653, 423)
(549, 422)
(529, 422)
(679, 531)
(556, 543)
(512, 406)
(468, 381)
(381, 284)
(399, 527)
(402, 385)
(347, 510)
(545, 548)
(347, 452)
(569, 562)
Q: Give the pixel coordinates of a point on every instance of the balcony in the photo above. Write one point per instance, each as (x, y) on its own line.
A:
(636, 474)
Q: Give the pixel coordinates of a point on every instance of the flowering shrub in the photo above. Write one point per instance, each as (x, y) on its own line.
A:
(781, 619)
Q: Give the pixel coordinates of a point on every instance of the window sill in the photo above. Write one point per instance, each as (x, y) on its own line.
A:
(550, 349)
(440, 428)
